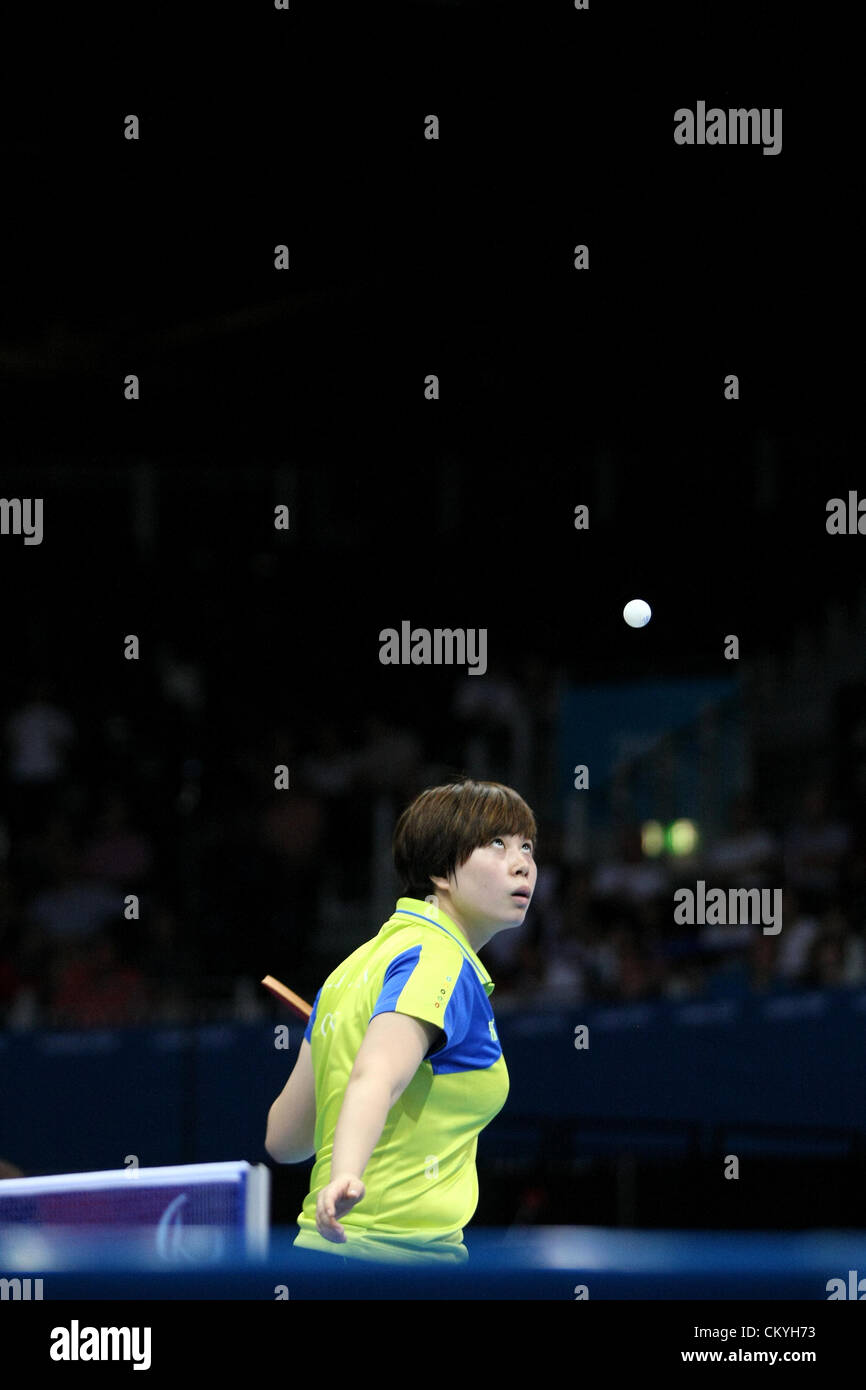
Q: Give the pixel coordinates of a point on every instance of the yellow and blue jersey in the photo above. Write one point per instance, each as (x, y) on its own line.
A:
(421, 1181)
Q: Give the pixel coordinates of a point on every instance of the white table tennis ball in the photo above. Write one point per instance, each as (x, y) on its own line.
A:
(637, 613)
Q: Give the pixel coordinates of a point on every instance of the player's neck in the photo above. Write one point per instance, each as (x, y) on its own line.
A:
(477, 935)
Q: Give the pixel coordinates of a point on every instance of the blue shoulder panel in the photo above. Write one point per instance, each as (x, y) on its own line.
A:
(471, 1043)
(308, 1031)
(398, 972)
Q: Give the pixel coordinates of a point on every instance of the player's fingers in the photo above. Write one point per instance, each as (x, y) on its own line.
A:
(334, 1201)
(326, 1214)
(331, 1229)
(326, 1226)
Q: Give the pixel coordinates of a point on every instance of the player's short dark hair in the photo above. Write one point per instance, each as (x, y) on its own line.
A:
(443, 825)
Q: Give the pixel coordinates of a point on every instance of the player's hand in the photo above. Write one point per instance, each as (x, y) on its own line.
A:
(343, 1193)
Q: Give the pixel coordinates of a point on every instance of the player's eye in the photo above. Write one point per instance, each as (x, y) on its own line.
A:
(497, 839)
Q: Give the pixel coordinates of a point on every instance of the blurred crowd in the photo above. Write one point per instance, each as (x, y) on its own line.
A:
(607, 932)
(147, 876)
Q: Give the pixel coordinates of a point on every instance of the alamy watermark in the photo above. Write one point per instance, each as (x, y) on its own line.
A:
(737, 126)
(444, 646)
(16, 518)
(20, 1290)
(847, 520)
(854, 1288)
(734, 908)
(77, 1343)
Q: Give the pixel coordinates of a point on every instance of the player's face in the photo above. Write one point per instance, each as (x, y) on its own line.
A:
(494, 887)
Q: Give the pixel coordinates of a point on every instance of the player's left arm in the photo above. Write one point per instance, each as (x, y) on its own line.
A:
(291, 1131)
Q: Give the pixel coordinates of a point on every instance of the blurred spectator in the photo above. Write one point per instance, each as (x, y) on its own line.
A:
(97, 986)
(837, 956)
(385, 765)
(329, 772)
(542, 692)
(494, 716)
(638, 970)
(291, 831)
(853, 887)
(601, 947)
(181, 682)
(763, 954)
(388, 759)
(291, 827)
(10, 971)
(814, 849)
(116, 853)
(747, 856)
(627, 877)
(9, 1170)
(685, 979)
(751, 970)
(560, 905)
(329, 768)
(726, 938)
(45, 856)
(38, 736)
(10, 977)
(76, 908)
(799, 930)
(169, 962)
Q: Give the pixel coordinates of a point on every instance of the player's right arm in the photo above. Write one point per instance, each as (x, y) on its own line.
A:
(393, 1049)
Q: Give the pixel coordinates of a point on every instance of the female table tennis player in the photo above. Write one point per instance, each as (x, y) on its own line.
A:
(400, 1067)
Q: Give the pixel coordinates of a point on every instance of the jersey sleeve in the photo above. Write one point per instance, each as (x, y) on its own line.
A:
(423, 982)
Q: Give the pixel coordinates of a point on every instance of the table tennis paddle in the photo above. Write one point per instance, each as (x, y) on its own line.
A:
(288, 996)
